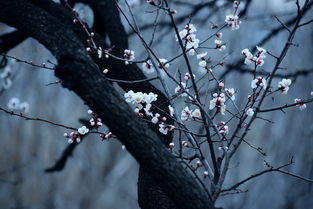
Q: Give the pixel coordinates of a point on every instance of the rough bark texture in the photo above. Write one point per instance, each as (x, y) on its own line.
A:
(80, 74)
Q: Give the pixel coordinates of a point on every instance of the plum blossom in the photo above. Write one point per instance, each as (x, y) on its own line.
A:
(16, 104)
(301, 105)
(13, 103)
(219, 35)
(99, 52)
(199, 163)
(184, 143)
(259, 81)
(202, 63)
(250, 112)
(129, 55)
(83, 130)
(218, 102)
(188, 76)
(164, 128)
(181, 88)
(223, 129)
(219, 45)
(147, 67)
(171, 145)
(138, 97)
(155, 119)
(196, 114)
(147, 109)
(249, 56)
(129, 96)
(24, 107)
(186, 114)
(258, 59)
(96, 122)
(163, 65)
(171, 110)
(233, 21)
(191, 52)
(73, 136)
(188, 35)
(201, 57)
(283, 85)
(105, 71)
(106, 136)
(221, 85)
(231, 93)
(142, 101)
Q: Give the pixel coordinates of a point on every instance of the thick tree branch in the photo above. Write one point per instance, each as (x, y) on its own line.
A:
(10, 40)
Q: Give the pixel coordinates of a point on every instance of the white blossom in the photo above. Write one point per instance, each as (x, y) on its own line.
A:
(283, 85)
(196, 113)
(192, 52)
(232, 21)
(129, 55)
(186, 114)
(147, 67)
(129, 96)
(147, 109)
(218, 102)
(259, 81)
(24, 107)
(231, 93)
(301, 105)
(181, 88)
(99, 52)
(164, 128)
(202, 63)
(250, 112)
(201, 55)
(155, 120)
(83, 130)
(188, 35)
(171, 110)
(13, 103)
(223, 128)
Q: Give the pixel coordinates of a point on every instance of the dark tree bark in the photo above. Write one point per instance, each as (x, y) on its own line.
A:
(80, 73)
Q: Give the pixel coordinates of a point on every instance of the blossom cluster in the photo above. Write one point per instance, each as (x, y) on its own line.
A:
(218, 42)
(14, 104)
(259, 81)
(129, 55)
(95, 121)
(301, 105)
(188, 34)
(187, 114)
(232, 21)
(258, 59)
(223, 128)
(218, 102)
(73, 137)
(181, 88)
(143, 107)
(162, 66)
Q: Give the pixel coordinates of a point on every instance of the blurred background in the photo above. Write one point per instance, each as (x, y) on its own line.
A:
(100, 174)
